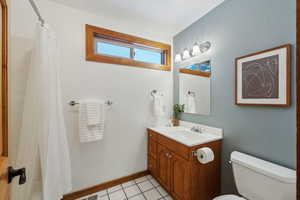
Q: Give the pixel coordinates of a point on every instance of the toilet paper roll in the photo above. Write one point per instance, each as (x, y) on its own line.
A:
(205, 155)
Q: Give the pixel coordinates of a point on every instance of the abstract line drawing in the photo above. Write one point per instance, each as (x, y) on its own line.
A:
(264, 78)
(260, 78)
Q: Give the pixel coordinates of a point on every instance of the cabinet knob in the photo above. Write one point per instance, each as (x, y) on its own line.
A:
(150, 135)
(170, 156)
(167, 154)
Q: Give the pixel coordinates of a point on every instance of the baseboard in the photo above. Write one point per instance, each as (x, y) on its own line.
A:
(103, 186)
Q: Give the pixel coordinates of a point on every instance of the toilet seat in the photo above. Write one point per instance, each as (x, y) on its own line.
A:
(229, 197)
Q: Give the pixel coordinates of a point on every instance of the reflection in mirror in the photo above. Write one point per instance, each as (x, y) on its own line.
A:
(194, 87)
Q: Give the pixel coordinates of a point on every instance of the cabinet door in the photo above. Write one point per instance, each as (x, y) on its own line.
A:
(152, 147)
(152, 165)
(163, 166)
(180, 177)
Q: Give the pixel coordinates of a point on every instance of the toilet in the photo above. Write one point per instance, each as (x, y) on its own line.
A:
(258, 179)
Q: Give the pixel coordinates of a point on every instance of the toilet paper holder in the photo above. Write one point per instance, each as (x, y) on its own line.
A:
(194, 153)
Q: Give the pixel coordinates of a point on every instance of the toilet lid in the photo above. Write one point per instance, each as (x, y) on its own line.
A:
(229, 197)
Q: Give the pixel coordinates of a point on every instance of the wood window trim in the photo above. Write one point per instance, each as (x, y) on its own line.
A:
(194, 72)
(91, 55)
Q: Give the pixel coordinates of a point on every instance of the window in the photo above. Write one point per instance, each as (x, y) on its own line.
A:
(108, 46)
(112, 49)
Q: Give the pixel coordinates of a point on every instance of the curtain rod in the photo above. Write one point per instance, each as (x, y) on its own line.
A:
(37, 12)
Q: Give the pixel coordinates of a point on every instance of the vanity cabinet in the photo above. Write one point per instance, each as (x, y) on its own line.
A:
(163, 166)
(176, 168)
(180, 177)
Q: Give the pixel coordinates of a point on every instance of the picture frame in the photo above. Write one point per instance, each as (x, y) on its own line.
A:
(264, 78)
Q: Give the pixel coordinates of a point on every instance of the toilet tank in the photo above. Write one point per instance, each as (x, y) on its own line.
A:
(258, 179)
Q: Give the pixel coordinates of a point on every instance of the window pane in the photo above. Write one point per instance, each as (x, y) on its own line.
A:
(113, 50)
(148, 56)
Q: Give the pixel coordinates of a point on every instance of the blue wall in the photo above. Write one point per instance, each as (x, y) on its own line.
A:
(237, 28)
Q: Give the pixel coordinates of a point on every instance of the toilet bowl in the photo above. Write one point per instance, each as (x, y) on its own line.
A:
(258, 179)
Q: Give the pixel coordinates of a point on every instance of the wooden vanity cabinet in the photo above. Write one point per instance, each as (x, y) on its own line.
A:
(163, 166)
(179, 172)
(152, 153)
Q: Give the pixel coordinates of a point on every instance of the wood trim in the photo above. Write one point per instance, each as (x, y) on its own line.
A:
(298, 97)
(288, 77)
(91, 31)
(3, 178)
(102, 186)
(4, 79)
(196, 73)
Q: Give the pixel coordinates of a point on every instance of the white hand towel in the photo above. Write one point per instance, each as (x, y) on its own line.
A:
(191, 104)
(158, 105)
(89, 133)
(95, 111)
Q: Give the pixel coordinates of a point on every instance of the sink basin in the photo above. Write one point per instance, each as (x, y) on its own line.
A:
(185, 136)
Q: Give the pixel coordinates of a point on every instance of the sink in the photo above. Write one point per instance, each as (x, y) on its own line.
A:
(185, 136)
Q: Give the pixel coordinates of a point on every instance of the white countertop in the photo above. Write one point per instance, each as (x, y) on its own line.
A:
(185, 136)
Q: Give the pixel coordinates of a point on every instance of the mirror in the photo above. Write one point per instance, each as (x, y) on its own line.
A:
(194, 86)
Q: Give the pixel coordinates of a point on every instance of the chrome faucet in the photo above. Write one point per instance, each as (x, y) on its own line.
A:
(196, 129)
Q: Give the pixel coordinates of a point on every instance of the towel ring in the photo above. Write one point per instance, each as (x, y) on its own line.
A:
(153, 92)
(193, 94)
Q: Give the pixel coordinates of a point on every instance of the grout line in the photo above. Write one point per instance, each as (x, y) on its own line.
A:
(129, 185)
(141, 191)
(107, 194)
(153, 184)
(141, 181)
(158, 190)
(124, 191)
(115, 190)
(135, 195)
(134, 183)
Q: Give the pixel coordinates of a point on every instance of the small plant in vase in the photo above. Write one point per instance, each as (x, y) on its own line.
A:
(177, 109)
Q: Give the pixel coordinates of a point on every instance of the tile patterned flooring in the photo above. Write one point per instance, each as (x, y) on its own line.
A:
(144, 188)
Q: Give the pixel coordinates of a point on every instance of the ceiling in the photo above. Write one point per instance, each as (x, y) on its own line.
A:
(174, 14)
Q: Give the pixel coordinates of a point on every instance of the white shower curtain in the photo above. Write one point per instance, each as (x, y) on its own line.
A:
(43, 147)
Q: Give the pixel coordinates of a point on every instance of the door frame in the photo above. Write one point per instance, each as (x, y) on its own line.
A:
(4, 79)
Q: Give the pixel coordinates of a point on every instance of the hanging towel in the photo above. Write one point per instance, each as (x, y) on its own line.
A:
(95, 131)
(158, 105)
(191, 104)
(95, 111)
(43, 147)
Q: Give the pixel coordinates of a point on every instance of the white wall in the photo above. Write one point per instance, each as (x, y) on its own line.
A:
(123, 150)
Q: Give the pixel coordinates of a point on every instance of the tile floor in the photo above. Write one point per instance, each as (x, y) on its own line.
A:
(144, 188)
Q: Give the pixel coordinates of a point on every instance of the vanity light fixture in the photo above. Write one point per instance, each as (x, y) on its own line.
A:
(205, 46)
(196, 49)
(178, 58)
(186, 54)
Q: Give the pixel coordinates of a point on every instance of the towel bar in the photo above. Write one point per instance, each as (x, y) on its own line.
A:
(73, 103)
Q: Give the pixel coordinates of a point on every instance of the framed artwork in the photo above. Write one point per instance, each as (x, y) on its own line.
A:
(264, 78)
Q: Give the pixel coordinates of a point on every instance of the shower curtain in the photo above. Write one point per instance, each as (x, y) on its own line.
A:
(43, 147)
